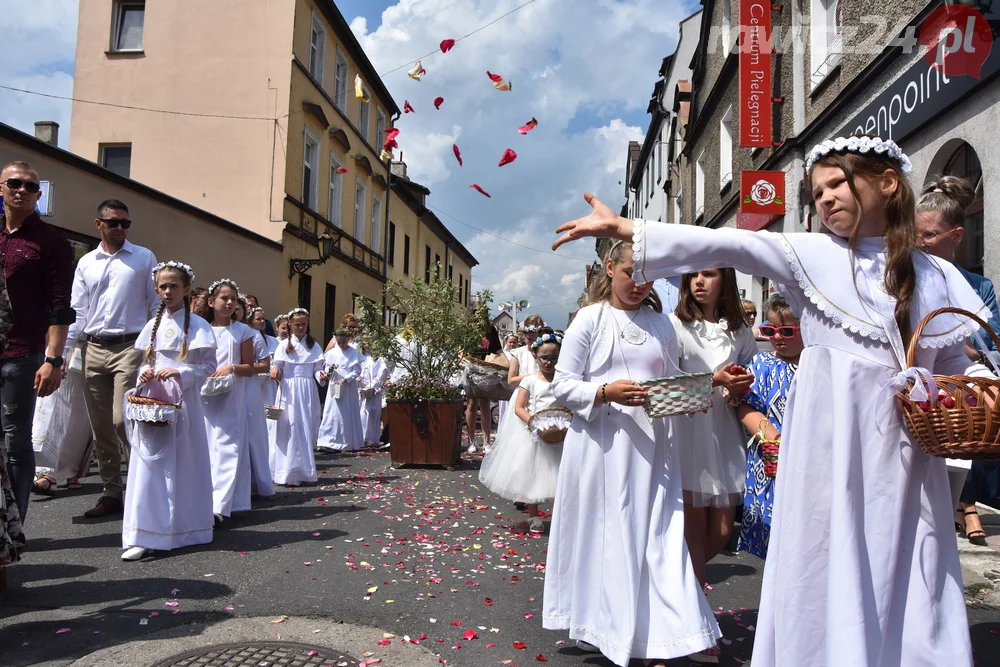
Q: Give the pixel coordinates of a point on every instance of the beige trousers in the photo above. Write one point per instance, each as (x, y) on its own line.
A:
(109, 372)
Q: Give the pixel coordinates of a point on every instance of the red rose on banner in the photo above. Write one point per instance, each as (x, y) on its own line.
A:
(762, 192)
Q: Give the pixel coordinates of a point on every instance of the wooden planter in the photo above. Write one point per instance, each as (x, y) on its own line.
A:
(425, 433)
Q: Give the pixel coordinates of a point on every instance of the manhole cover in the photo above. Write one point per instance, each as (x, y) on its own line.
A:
(260, 654)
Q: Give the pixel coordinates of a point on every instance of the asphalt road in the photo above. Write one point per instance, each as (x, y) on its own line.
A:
(411, 552)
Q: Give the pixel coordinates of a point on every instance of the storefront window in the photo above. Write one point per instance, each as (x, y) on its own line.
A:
(964, 163)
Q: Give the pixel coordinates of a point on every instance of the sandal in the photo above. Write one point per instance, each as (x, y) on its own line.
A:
(977, 537)
(44, 486)
(73, 484)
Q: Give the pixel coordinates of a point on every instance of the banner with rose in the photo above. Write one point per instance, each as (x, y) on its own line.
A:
(762, 192)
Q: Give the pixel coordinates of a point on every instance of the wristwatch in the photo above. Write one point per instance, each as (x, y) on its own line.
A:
(55, 361)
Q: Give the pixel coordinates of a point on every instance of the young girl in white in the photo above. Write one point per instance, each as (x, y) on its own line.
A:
(270, 387)
(226, 412)
(169, 500)
(712, 337)
(298, 366)
(260, 467)
(521, 467)
(522, 365)
(862, 567)
(341, 426)
(619, 575)
(374, 373)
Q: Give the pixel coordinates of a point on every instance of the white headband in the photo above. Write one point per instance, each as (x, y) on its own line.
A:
(223, 281)
(862, 145)
(297, 311)
(174, 265)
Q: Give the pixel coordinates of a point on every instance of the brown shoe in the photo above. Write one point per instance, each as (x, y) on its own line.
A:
(105, 506)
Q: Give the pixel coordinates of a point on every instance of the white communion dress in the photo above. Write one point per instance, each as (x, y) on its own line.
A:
(526, 366)
(520, 467)
(862, 567)
(60, 428)
(226, 418)
(297, 429)
(374, 373)
(341, 425)
(619, 574)
(713, 444)
(260, 469)
(169, 499)
(269, 388)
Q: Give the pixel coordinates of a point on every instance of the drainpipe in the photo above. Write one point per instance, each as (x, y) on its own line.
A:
(798, 111)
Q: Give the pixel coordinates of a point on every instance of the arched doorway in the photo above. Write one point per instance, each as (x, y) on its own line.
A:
(960, 159)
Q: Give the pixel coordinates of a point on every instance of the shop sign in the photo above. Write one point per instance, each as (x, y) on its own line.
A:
(762, 192)
(755, 74)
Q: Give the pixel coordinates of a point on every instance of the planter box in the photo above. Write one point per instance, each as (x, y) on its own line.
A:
(425, 433)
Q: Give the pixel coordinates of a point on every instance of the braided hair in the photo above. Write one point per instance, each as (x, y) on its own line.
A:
(187, 324)
(156, 326)
(186, 281)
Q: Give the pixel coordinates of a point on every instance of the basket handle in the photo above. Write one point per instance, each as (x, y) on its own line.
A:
(145, 386)
(911, 353)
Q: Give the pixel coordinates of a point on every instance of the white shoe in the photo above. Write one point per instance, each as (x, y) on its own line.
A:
(487, 449)
(586, 647)
(472, 448)
(218, 519)
(135, 553)
(536, 525)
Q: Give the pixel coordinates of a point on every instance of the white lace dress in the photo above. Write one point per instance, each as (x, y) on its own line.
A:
(862, 567)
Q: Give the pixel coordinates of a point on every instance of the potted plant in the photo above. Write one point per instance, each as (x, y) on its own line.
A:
(424, 408)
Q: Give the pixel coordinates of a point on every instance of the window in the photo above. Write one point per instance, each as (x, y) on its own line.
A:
(964, 163)
(355, 298)
(129, 20)
(340, 82)
(726, 149)
(364, 120)
(659, 161)
(437, 267)
(336, 205)
(451, 276)
(310, 170)
(391, 249)
(727, 27)
(649, 182)
(461, 286)
(699, 187)
(360, 192)
(677, 208)
(427, 264)
(317, 49)
(379, 128)
(377, 224)
(406, 254)
(826, 37)
(330, 314)
(305, 291)
(117, 159)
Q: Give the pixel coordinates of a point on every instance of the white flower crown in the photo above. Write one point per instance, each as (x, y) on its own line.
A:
(174, 265)
(297, 311)
(223, 281)
(254, 311)
(856, 144)
(547, 338)
(530, 329)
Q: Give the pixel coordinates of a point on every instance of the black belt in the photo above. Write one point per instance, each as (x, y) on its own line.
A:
(109, 341)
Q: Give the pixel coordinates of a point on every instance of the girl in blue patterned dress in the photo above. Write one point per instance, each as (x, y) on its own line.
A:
(764, 411)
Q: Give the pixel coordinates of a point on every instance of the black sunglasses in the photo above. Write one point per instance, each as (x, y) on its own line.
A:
(551, 358)
(114, 222)
(15, 184)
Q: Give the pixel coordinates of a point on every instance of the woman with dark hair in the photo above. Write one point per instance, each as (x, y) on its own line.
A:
(713, 337)
(490, 352)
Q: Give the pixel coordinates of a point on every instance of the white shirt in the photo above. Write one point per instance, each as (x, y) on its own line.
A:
(113, 295)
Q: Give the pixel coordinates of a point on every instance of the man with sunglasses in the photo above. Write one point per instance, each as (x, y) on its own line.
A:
(38, 267)
(114, 297)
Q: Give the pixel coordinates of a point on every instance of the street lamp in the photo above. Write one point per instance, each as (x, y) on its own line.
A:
(325, 244)
(512, 307)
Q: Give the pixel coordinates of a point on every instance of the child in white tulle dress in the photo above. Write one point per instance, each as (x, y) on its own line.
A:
(521, 467)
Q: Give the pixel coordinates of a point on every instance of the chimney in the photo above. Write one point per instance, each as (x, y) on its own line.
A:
(47, 131)
(399, 170)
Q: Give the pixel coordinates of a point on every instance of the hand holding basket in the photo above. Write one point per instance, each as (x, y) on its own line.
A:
(158, 407)
(551, 424)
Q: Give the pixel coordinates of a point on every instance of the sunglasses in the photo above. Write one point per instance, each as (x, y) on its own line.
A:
(549, 358)
(114, 222)
(15, 184)
(785, 331)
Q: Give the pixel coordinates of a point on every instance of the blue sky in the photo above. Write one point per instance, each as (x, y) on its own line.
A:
(585, 69)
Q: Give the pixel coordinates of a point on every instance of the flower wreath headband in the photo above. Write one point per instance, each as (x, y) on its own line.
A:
(180, 266)
(862, 145)
(223, 281)
(547, 338)
(254, 311)
(296, 311)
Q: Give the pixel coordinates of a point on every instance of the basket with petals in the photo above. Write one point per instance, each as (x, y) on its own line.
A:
(157, 408)
(962, 421)
(769, 454)
(551, 424)
(682, 394)
(273, 412)
(485, 379)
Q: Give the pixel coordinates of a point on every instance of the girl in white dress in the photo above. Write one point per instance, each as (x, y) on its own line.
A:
(271, 386)
(510, 344)
(226, 415)
(862, 567)
(521, 467)
(169, 499)
(712, 337)
(522, 365)
(298, 366)
(374, 373)
(340, 429)
(619, 575)
(260, 468)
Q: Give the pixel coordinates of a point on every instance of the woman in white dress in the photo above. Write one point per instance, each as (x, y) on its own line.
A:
(298, 366)
(169, 500)
(374, 373)
(60, 432)
(509, 345)
(260, 467)
(341, 429)
(226, 415)
(712, 337)
(522, 365)
(618, 574)
(862, 567)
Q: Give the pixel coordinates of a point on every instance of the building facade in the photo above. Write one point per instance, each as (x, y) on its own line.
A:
(259, 123)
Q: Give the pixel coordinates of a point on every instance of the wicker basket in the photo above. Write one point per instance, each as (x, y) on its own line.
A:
(484, 379)
(162, 417)
(551, 425)
(960, 425)
(678, 395)
(273, 412)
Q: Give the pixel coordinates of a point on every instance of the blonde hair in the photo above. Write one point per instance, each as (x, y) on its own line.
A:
(949, 196)
(599, 289)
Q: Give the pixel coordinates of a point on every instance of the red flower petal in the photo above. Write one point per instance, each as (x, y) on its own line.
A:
(447, 45)
(406, 107)
(541, 658)
(527, 127)
(488, 601)
(458, 154)
(341, 170)
(494, 77)
(390, 143)
(479, 190)
(470, 634)
(520, 646)
(491, 646)
(456, 623)
(508, 157)
(438, 101)
(391, 133)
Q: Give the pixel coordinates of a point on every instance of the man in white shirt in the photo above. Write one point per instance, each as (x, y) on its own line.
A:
(114, 297)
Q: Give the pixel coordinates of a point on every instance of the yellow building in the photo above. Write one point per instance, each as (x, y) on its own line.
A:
(258, 123)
